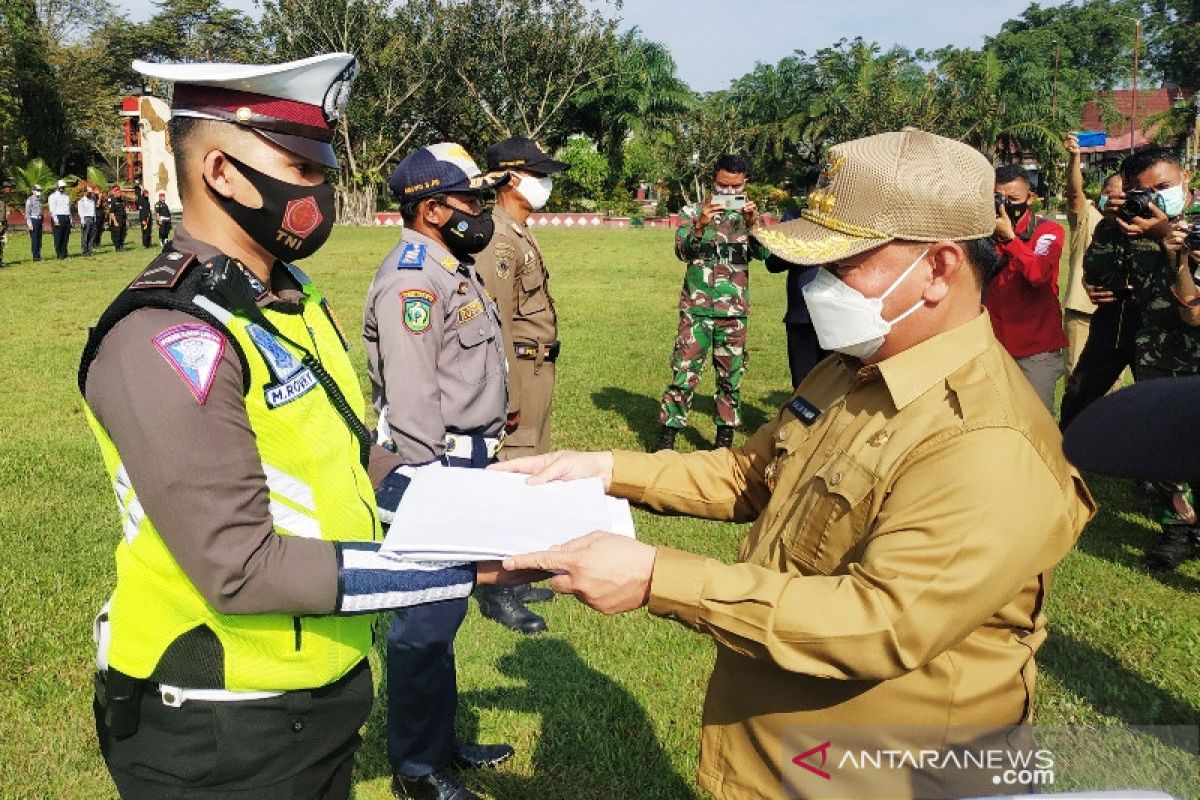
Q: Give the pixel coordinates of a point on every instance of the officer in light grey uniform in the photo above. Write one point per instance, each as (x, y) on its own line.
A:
(435, 356)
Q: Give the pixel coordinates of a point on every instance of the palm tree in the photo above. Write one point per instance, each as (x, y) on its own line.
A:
(35, 173)
(642, 93)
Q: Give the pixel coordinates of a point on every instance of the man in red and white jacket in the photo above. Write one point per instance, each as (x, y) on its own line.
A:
(1022, 299)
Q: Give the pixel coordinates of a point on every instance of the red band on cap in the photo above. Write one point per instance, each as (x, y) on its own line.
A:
(230, 100)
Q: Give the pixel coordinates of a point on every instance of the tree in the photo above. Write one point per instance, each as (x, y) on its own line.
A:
(396, 87)
(523, 62)
(582, 186)
(41, 122)
(640, 96)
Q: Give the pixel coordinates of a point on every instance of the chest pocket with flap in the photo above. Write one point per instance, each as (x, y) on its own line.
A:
(533, 297)
(476, 359)
(829, 518)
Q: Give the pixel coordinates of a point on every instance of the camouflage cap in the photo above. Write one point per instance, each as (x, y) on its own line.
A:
(909, 185)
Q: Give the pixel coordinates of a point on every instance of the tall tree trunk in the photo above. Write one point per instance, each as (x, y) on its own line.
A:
(356, 204)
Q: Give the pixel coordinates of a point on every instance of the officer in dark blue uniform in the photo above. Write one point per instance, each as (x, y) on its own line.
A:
(436, 360)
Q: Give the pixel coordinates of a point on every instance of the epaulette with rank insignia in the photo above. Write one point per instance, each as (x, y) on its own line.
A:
(165, 271)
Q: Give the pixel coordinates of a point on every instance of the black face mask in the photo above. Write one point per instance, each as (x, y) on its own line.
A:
(1016, 210)
(466, 235)
(294, 221)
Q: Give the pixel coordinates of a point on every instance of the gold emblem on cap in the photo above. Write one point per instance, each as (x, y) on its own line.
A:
(244, 114)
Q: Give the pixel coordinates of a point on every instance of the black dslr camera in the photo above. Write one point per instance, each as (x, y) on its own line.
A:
(999, 198)
(1192, 241)
(1138, 203)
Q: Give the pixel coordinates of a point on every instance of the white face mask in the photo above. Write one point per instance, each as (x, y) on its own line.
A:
(536, 191)
(1171, 200)
(848, 322)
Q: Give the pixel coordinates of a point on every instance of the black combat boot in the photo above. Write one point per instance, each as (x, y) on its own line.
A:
(534, 594)
(666, 439)
(441, 785)
(1173, 547)
(502, 604)
(724, 437)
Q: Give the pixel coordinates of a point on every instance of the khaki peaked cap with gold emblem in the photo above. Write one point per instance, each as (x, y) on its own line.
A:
(296, 105)
(905, 185)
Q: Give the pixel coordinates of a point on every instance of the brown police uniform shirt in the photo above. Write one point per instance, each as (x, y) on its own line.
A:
(515, 274)
(434, 350)
(197, 469)
(897, 567)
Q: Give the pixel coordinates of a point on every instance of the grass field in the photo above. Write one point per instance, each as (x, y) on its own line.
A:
(597, 708)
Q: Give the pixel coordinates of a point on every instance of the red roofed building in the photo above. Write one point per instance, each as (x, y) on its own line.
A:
(1150, 102)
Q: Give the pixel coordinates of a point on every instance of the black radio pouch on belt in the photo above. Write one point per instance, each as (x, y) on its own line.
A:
(122, 700)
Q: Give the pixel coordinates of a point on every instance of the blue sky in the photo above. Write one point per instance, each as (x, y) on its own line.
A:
(715, 41)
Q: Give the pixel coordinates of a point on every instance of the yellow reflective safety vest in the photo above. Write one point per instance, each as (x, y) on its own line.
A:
(318, 488)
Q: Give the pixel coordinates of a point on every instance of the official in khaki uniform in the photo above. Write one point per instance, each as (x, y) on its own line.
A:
(436, 362)
(232, 654)
(515, 274)
(909, 503)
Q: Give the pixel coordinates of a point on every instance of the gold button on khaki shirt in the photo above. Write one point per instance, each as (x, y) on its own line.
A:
(897, 569)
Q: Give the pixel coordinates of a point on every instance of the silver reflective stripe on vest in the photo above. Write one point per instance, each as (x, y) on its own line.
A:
(128, 505)
(298, 514)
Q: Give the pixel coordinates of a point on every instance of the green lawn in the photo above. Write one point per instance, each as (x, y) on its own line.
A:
(599, 707)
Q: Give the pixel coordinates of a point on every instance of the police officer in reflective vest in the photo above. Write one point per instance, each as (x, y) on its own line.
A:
(436, 361)
(232, 655)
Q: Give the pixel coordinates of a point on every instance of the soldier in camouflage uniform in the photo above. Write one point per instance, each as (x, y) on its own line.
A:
(714, 303)
(1145, 258)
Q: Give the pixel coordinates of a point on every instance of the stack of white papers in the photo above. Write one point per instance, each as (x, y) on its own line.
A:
(459, 514)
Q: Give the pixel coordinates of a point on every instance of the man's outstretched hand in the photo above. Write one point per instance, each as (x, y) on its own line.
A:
(561, 465)
(608, 572)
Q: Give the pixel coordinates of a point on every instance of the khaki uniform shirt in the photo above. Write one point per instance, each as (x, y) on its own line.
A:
(1079, 236)
(197, 468)
(434, 351)
(897, 568)
(514, 272)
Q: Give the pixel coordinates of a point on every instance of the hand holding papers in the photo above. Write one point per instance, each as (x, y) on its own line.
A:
(452, 514)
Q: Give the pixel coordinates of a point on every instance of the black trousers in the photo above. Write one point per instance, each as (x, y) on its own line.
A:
(62, 235)
(118, 234)
(35, 238)
(147, 230)
(1108, 351)
(298, 745)
(422, 688)
(87, 229)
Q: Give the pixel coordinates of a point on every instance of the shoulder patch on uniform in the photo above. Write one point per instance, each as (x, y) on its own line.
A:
(417, 305)
(1044, 243)
(470, 311)
(165, 271)
(412, 256)
(505, 253)
(193, 351)
(279, 359)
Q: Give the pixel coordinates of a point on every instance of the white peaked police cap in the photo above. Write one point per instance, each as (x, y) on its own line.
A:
(296, 105)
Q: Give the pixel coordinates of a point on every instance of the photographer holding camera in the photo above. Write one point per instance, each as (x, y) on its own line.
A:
(1143, 246)
(714, 304)
(1022, 298)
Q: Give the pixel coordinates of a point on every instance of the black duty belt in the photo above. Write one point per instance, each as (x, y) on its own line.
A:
(529, 351)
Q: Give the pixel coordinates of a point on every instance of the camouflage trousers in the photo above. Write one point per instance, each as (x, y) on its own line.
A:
(725, 338)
